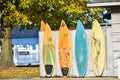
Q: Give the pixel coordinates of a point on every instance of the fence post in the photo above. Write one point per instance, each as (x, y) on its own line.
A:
(109, 70)
(42, 69)
(73, 69)
(57, 71)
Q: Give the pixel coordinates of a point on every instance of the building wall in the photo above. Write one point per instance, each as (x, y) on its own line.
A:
(116, 38)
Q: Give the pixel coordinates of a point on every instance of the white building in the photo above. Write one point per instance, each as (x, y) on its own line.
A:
(115, 16)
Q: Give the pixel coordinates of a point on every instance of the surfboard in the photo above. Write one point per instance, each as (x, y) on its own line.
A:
(48, 51)
(98, 49)
(42, 28)
(64, 47)
(81, 49)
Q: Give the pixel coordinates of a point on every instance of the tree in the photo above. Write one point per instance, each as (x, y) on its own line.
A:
(10, 17)
(29, 13)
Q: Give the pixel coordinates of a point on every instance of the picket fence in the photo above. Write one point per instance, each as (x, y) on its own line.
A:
(110, 63)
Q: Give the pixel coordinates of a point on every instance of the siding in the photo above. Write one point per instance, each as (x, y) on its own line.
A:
(116, 40)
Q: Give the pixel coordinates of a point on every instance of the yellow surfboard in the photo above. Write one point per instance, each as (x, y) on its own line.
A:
(48, 51)
(64, 49)
(98, 49)
(42, 28)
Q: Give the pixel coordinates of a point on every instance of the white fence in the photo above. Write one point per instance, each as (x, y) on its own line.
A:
(109, 65)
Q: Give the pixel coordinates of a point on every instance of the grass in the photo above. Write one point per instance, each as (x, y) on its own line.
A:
(19, 72)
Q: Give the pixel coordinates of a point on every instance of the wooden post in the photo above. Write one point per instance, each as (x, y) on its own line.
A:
(108, 71)
(57, 71)
(42, 69)
(73, 70)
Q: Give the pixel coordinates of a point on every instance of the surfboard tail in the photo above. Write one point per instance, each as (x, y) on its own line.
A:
(48, 69)
(65, 71)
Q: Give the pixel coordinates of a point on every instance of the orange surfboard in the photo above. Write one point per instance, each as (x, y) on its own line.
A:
(64, 49)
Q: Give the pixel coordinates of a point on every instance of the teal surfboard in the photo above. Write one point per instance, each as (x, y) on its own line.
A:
(81, 49)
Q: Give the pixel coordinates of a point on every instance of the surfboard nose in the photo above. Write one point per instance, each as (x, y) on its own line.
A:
(63, 23)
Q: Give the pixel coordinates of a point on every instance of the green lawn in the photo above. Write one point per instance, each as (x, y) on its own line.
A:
(19, 72)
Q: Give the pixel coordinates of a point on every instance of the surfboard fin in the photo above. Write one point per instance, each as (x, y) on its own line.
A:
(48, 69)
(64, 71)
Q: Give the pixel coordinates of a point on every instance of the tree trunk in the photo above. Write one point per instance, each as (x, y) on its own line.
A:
(6, 53)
